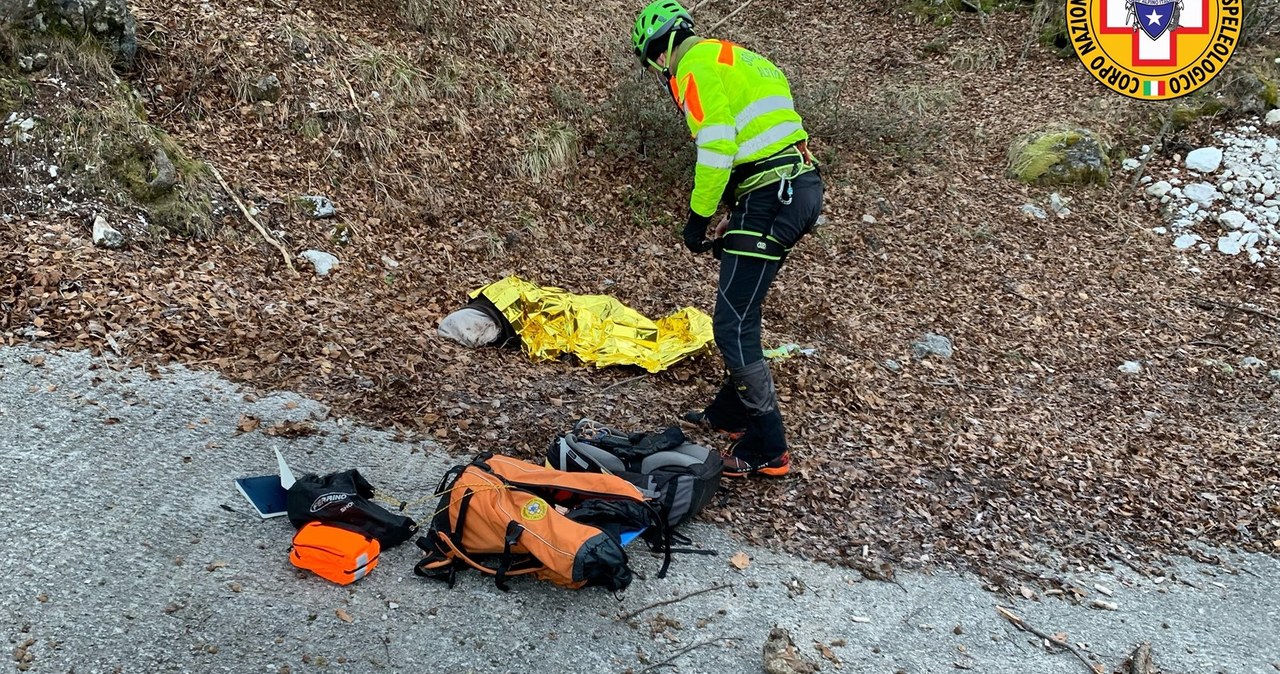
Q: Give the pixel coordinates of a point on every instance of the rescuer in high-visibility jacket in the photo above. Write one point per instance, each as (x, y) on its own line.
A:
(753, 158)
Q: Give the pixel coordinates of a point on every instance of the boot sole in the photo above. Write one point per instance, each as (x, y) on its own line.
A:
(780, 471)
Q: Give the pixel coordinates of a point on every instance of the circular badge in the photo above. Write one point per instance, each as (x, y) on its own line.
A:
(1154, 49)
(534, 510)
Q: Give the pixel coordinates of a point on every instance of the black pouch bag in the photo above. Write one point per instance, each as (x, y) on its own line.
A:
(343, 498)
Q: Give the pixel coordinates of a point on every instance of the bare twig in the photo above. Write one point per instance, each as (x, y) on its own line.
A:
(624, 382)
(668, 661)
(1212, 343)
(1142, 166)
(1209, 303)
(960, 385)
(728, 16)
(1022, 625)
(288, 259)
(631, 614)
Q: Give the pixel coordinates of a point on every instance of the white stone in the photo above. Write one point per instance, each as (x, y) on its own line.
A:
(1273, 117)
(1034, 211)
(1259, 198)
(1205, 159)
(322, 262)
(1130, 367)
(1159, 189)
(1232, 219)
(1146, 180)
(1186, 241)
(1160, 230)
(1192, 209)
(1130, 164)
(1203, 193)
(1249, 227)
(869, 219)
(105, 236)
(1144, 149)
(1269, 188)
(1227, 186)
(1230, 244)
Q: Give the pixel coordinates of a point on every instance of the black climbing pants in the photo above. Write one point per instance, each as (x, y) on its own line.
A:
(748, 402)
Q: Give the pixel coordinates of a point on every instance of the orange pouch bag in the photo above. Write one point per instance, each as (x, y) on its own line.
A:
(340, 555)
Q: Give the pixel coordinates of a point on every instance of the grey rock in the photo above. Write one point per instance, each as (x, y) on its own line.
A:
(1275, 375)
(892, 365)
(106, 236)
(1034, 211)
(1131, 367)
(1250, 361)
(267, 88)
(322, 262)
(318, 206)
(108, 21)
(1072, 157)
(932, 344)
(1244, 92)
(30, 63)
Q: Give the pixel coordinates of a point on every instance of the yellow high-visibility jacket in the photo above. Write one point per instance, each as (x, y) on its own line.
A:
(739, 110)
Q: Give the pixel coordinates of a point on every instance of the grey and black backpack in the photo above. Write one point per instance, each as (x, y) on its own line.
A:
(682, 476)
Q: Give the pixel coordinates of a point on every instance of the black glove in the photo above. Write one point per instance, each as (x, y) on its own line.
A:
(695, 233)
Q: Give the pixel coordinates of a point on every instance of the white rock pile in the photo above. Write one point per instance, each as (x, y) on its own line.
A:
(1228, 197)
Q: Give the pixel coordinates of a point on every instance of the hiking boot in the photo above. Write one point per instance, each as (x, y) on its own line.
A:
(736, 467)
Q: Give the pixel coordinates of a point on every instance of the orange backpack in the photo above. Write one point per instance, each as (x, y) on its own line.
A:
(507, 517)
(334, 553)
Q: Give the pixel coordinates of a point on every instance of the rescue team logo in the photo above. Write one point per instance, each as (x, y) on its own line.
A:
(1154, 49)
(534, 510)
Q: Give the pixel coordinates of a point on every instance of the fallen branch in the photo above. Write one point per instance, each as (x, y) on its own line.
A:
(288, 259)
(624, 382)
(1022, 625)
(629, 615)
(1207, 303)
(728, 16)
(668, 661)
(1142, 166)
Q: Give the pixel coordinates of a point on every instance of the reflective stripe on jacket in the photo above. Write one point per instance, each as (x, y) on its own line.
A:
(739, 110)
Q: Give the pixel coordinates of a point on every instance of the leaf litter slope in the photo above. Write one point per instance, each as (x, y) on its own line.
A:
(1028, 444)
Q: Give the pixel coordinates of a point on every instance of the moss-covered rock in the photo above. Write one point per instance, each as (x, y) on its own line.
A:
(1060, 157)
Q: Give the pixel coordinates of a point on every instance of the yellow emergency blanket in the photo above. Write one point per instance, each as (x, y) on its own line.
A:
(596, 328)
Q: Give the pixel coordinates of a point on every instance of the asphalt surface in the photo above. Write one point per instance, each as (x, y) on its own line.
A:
(127, 549)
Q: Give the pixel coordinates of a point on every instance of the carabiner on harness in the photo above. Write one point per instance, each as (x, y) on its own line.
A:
(784, 188)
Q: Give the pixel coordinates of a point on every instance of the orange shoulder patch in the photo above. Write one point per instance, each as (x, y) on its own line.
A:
(690, 100)
(726, 52)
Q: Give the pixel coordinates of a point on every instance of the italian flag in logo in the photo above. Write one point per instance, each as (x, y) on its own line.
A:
(1153, 88)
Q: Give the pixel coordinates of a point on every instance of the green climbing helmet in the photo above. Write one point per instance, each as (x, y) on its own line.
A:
(655, 22)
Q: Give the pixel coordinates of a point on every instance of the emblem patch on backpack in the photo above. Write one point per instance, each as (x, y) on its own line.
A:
(534, 510)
